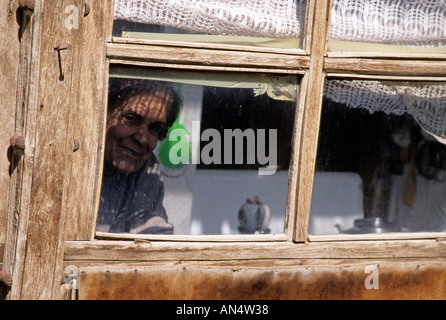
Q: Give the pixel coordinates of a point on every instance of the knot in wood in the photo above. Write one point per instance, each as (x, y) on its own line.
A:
(17, 141)
(75, 145)
(27, 4)
(86, 9)
(6, 277)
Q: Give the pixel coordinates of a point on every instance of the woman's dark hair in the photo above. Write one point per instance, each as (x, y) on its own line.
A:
(121, 89)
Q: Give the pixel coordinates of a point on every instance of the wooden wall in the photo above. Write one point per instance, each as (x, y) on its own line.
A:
(338, 280)
(55, 185)
(9, 64)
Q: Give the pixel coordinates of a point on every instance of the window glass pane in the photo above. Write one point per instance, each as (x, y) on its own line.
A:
(222, 167)
(381, 158)
(404, 26)
(272, 23)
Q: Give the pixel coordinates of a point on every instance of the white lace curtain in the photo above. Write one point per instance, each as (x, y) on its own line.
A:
(256, 18)
(426, 102)
(406, 22)
(415, 22)
(400, 22)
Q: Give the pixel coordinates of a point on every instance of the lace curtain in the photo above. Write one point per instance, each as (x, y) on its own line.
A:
(255, 18)
(403, 22)
(398, 22)
(425, 102)
(414, 22)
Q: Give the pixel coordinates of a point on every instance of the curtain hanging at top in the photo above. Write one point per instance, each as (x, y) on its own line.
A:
(419, 23)
(404, 22)
(255, 18)
(408, 22)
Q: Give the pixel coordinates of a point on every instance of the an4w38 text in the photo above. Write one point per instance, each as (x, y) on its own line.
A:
(230, 309)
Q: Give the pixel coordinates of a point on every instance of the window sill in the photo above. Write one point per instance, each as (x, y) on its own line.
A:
(192, 238)
(378, 236)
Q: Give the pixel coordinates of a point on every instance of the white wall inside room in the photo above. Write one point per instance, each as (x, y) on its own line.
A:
(219, 194)
(336, 199)
(208, 201)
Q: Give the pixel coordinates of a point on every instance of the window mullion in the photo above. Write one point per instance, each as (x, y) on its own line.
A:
(310, 127)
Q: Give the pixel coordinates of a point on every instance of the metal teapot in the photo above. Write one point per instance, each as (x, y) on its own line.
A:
(370, 225)
(254, 217)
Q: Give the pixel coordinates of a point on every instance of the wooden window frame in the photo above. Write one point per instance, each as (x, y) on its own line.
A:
(314, 64)
(230, 58)
(68, 236)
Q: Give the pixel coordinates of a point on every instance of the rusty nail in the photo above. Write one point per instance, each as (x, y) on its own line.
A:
(75, 145)
(6, 277)
(17, 141)
(59, 49)
(86, 9)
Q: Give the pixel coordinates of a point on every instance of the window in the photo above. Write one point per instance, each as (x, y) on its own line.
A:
(237, 69)
(387, 27)
(380, 164)
(237, 116)
(267, 24)
(229, 145)
(379, 158)
(317, 77)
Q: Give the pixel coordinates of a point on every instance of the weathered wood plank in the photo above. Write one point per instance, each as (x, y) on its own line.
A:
(25, 119)
(192, 238)
(205, 57)
(310, 128)
(247, 47)
(389, 67)
(385, 77)
(256, 263)
(85, 120)
(51, 144)
(386, 55)
(291, 209)
(211, 68)
(9, 51)
(182, 251)
(87, 112)
(386, 280)
(389, 281)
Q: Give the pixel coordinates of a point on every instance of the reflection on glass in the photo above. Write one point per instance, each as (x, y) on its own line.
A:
(377, 168)
(185, 155)
(276, 24)
(412, 27)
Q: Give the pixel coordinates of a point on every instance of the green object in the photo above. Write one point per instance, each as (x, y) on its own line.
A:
(170, 153)
(169, 159)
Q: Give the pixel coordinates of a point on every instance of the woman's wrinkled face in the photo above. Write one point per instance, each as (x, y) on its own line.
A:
(132, 132)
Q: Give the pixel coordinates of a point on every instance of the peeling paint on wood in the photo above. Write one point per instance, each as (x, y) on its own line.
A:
(393, 281)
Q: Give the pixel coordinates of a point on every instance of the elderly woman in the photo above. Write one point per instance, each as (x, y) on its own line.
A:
(140, 112)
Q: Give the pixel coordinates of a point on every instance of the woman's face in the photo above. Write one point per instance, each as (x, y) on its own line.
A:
(132, 132)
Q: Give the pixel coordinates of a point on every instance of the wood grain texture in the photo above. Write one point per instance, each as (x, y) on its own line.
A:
(25, 119)
(205, 57)
(207, 45)
(386, 67)
(183, 251)
(45, 213)
(293, 187)
(57, 184)
(87, 112)
(310, 128)
(51, 206)
(9, 65)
